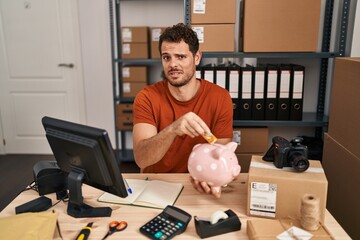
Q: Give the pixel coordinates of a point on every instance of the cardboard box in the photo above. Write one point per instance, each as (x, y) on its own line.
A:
(213, 11)
(277, 193)
(281, 25)
(130, 89)
(342, 169)
(216, 37)
(134, 74)
(251, 140)
(154, 45)
(344, 112)
(266, 229)
(124, 116)
(124, 108)
(135, 34)
(135, 50)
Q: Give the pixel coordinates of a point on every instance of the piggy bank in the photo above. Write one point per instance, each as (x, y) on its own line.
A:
(215, 164)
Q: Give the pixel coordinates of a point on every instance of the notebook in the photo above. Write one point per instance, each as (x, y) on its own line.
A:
(147, 193)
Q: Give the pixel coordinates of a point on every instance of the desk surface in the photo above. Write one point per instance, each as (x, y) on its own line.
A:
(233, 197)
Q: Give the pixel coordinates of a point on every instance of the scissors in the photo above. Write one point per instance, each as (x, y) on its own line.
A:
(116, 226)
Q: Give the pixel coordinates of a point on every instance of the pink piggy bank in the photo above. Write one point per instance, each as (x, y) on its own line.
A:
(215, 164)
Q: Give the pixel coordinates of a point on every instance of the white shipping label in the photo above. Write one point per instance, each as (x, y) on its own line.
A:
(298, 84)
(126, 88)
(234, 84)
(259, 84)
(246, 85)
(126, 35)
(272, 84)
(199, 6)
(263, 199)
(155, 34)
(200, 33)
(126, 72)
(285, 84)
(126, 49)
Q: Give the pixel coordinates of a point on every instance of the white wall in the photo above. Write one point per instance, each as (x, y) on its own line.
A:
(96, 57)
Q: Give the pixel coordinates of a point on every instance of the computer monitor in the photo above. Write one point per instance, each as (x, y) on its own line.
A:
(86, 154)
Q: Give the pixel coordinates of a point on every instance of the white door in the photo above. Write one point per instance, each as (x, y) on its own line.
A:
(40, 70)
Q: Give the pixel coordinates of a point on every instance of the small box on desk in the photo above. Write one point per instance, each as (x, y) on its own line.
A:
(277, 193)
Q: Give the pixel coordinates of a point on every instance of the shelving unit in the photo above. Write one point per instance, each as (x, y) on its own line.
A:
(317, 119)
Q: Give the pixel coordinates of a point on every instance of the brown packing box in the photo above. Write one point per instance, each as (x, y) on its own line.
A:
(134, 74)
(342, 169)
(277, 193)
(134, 34)
(124, 119)
(251, 140)
(135, 50)
(281, 25)
(130, 89)
(216, 37)
(344, 116)
(154, 45)
(213, 11)
(266, 229)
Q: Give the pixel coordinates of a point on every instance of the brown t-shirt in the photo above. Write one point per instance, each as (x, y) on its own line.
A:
(156, 106)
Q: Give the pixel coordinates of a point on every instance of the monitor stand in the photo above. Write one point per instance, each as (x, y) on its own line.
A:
(76, 207)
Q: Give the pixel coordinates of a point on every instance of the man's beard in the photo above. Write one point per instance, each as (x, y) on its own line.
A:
(181, 83)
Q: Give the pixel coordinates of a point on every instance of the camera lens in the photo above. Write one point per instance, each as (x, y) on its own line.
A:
(299, 162)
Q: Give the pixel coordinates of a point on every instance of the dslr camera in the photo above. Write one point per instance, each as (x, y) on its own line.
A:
(288, 154)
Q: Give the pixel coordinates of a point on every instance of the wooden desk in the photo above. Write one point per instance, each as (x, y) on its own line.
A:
(233, 197)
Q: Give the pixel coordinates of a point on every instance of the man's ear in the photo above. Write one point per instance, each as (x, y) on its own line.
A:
(198, 57)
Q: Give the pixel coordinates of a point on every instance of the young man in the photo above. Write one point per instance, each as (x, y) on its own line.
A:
(171, 116)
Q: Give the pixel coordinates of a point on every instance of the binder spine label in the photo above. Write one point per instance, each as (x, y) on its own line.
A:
(259, 85)
(246, 87)
(209, 75)
(285, 84)
(221, 78)
(298, 85)
(272, 84)
(234, 84)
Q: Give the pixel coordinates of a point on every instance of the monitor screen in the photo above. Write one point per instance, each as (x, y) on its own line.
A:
(86, 154)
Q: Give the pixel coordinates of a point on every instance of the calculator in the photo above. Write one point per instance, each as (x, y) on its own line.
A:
(169, 223)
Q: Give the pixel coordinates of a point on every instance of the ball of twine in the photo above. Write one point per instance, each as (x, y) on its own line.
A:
(310, 212)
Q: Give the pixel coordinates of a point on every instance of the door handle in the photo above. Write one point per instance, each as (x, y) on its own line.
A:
(69, 65)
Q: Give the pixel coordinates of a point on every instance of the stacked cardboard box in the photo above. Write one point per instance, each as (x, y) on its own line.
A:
(134, 79)
(277, 193)
(214, 23)
(281, 25)
(252, 141)
(135, 42)
(341, 154)
(124, 116)
(155, 33)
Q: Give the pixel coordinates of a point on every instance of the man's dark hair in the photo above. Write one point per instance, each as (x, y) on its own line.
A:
(179, 32)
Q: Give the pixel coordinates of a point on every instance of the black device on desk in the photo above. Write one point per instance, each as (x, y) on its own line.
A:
(86, 155)
(169, 223)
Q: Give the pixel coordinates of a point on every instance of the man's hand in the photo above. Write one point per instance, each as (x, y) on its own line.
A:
(190, 124)
(204, 188)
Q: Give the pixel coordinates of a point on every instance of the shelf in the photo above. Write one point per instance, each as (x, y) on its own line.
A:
(239, 55)
(310, 119)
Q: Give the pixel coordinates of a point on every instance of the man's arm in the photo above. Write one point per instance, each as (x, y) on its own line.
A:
(150, 146)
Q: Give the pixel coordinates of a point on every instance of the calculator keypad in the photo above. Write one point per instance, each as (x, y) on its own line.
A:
(161, 228)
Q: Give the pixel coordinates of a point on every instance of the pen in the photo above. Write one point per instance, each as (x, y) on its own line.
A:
(127, 187)
(85, 232)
